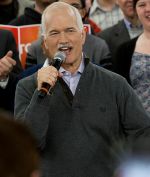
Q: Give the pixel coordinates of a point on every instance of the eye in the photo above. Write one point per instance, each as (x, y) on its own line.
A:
(53, 33)
(140, 4)
(70, 30)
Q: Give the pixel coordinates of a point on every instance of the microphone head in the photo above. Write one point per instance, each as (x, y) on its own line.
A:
(61, 56)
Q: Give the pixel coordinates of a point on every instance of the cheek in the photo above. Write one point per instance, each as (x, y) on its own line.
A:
(140, 16)
(51, 45)
(139, 13)
(46, 46)
(79, 45)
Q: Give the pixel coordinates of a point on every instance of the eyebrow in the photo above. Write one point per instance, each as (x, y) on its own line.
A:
(76, 5)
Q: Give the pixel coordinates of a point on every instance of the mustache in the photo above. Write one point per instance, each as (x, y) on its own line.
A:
(65, 45)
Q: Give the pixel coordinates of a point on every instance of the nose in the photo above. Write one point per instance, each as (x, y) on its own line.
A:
(63, 38)
(148, 6)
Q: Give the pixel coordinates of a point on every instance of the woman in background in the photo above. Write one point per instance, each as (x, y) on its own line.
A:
(133, 57)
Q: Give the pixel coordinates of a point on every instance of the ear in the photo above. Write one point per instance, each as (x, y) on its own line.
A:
(45, 44)
(83, 35)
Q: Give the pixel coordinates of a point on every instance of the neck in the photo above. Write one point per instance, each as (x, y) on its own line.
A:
(72, 68)
(6, 2)
(146, 35)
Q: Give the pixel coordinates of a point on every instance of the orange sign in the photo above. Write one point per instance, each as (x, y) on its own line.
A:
(24, 36)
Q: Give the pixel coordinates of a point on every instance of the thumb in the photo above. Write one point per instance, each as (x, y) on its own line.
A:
(9, 54)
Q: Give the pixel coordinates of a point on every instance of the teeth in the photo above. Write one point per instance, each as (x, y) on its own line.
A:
(64, 48)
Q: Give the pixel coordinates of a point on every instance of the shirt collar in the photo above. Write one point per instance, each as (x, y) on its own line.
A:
(80, 69)
(46, 63)
(95, 6)
(129, 24)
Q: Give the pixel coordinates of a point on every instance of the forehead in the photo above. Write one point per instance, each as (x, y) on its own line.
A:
(48, 1)
(139, 1)
(60, 18)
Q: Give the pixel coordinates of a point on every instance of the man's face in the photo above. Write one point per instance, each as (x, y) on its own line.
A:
(63, 33)
(77, 4)
(45, 3)
(127, 8)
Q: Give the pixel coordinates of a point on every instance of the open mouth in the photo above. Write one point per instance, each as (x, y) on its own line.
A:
(148, 16)
(65, 48)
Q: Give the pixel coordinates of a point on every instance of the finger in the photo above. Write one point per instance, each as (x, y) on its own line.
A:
(5, 67)
(11, 61)
(9, 54)
(50, 79)
(47, 75)
(5, 63)
(3, 73)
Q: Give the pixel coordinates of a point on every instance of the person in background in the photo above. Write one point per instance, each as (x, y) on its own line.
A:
(10, 68)
(87, 109)
(133, 57)
(23, 4)
(95, 29)
(105, 13)
(88, 4)
(10, 9)
(19, 156)
(32, 15)
(124, 30)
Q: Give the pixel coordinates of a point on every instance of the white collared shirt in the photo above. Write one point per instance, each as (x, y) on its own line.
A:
(134, 31)
(70, 79)
(103, 18)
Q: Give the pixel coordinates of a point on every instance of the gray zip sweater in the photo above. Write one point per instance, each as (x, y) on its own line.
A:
(76, 133)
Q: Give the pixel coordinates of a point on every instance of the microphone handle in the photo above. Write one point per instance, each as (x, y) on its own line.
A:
(45, 86)
(44, 90)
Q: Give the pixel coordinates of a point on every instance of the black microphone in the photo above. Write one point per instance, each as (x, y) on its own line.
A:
(56, 62)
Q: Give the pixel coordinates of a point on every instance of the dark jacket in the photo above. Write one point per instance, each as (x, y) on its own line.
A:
(76, 133)
(115, 36)
(123, 58)
(7, 43)
(29, 17)
(9, 12)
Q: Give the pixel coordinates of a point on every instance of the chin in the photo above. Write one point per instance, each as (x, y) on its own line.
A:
(68, 62)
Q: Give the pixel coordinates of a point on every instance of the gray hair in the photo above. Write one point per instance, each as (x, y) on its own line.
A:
(56, 5)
